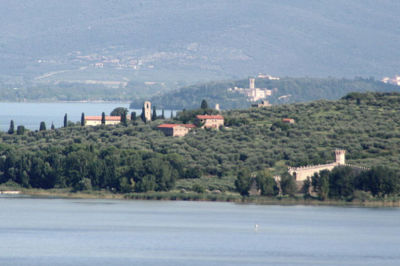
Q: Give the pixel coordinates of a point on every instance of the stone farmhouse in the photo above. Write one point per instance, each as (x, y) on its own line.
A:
(303, 172)
(96, 120)
(176, 130)
(211, 121)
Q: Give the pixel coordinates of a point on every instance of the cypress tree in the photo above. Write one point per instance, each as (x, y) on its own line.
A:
(143, 116)
(133, 116)
(172, 114)
(162, 114)
(52, 126)
(20, 130)
(204, 104)
(65, 120)
(11, 129)
(83, 119)
(123, 119)
(103, 118)
(42, 126)
(154, 116)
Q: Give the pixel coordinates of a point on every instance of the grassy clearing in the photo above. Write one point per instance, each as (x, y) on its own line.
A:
(66, 193)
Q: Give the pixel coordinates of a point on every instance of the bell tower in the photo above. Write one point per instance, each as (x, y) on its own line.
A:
(147, 110)
(252, 83)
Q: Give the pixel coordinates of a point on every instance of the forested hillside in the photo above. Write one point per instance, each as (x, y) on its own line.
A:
(74, 92)
(285, 90)
(140, 158)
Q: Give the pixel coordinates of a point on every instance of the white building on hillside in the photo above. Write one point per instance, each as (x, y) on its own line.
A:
(254, 94)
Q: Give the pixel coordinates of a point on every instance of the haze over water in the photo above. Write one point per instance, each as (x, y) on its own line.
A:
(112, 232)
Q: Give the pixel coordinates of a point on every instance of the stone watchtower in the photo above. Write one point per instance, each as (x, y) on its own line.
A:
(147, 110)
(252, 83)
(340, 157)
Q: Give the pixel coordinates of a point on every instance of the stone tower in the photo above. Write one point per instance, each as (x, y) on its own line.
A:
(340, 156)
(252, 83)
(147, 110)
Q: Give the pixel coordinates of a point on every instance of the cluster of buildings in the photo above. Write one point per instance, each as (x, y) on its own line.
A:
(395, 80)
(179, 130)
(215, 122)
(253, 94)
(95, 120)
(100, 61)
(176, 130)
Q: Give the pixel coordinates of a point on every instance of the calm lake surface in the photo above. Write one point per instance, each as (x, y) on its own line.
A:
(31, 114)
(112, 232)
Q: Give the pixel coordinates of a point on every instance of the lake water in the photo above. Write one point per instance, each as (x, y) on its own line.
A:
(112, 232)
(31, 114)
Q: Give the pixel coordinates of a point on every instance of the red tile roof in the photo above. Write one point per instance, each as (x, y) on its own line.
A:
(174, 125)
(98, 118)
(210, 117)
(288, 120)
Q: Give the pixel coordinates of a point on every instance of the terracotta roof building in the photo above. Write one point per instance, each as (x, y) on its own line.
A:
(211, 121)
(95, 120)
(176, 130)
(288, 120)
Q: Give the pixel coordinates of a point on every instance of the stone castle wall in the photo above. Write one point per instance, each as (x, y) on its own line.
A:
(302, 173)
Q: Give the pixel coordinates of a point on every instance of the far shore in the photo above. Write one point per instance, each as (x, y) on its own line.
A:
(193, 196)
(56, 101)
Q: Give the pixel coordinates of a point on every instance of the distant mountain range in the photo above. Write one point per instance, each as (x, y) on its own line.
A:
(178, 42)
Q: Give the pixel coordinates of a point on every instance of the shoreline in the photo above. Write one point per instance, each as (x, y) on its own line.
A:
(81, 101)
(210, 197)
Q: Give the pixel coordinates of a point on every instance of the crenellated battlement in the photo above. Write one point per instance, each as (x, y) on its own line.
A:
(357, 166)
(309, 167)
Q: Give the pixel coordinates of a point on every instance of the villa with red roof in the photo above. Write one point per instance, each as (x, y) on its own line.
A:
(288, 120)
(95, 120)
(176, 130)
(211, 121)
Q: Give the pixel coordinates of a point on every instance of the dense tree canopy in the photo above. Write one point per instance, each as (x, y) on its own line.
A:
(139, 157)
(119, 111)
(343, 182)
